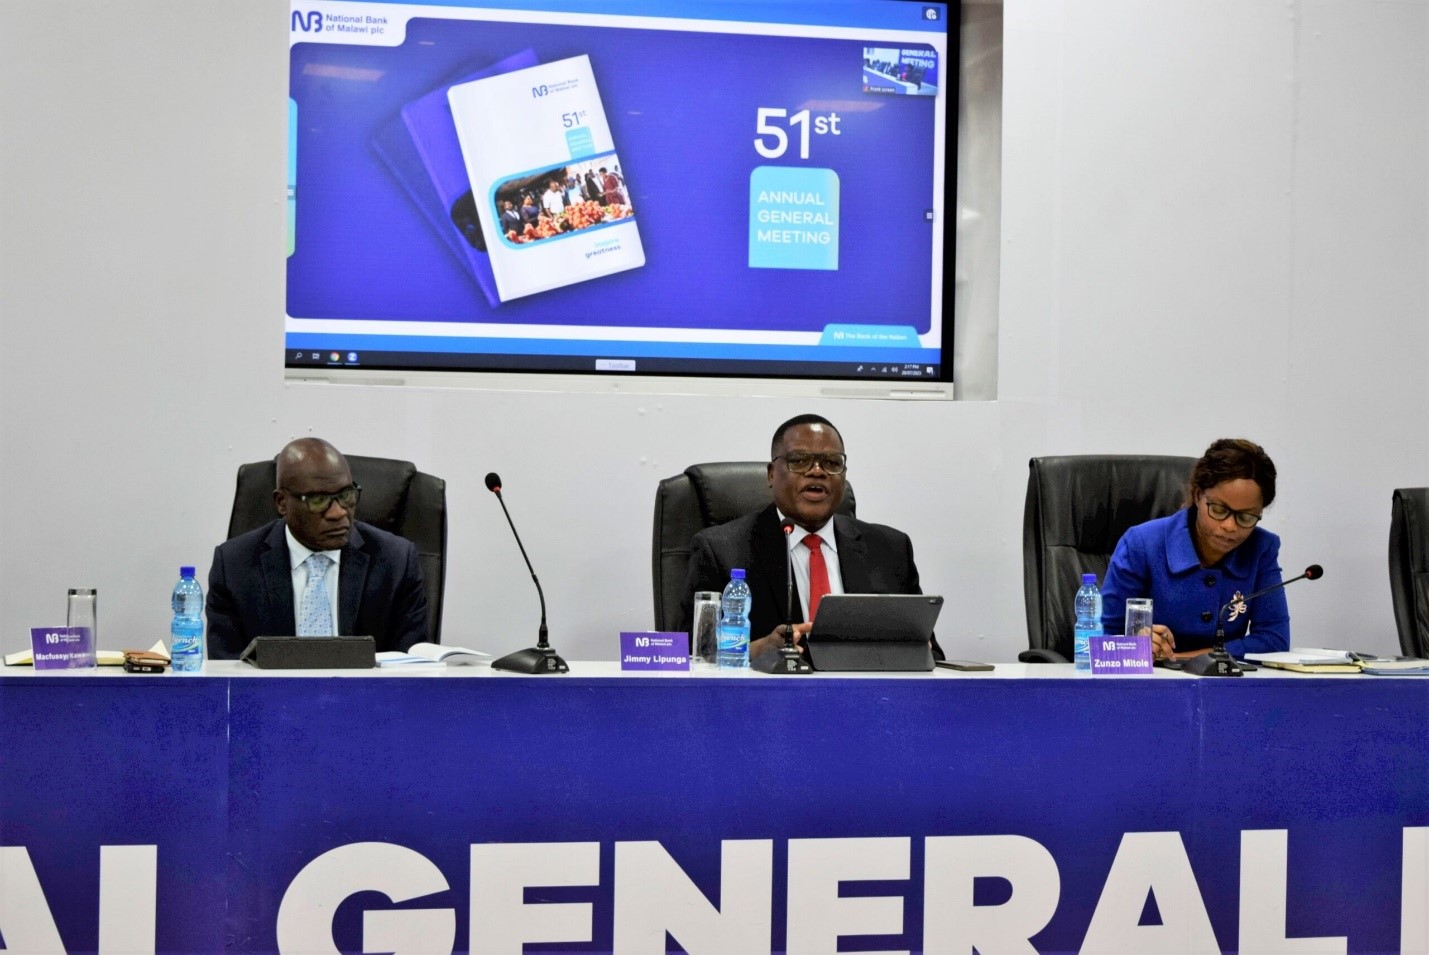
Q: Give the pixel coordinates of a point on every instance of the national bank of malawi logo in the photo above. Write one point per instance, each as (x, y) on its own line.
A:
(309, 22)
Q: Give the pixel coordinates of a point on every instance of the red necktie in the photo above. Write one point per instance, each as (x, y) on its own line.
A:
(818, 573)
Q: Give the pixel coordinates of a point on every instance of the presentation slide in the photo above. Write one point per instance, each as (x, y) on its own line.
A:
(708, 187)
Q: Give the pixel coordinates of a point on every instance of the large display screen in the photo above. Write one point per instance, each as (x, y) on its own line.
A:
(751, 188)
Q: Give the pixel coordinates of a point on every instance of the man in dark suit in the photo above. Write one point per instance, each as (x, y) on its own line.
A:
(831, 552)
(316, 570)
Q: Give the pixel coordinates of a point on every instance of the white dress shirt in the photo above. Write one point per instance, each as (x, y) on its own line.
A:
(799, 556)
(297, 553)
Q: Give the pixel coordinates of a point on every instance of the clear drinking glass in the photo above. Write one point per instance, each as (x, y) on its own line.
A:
(704, 640)
(1138, 617)
(82, 612)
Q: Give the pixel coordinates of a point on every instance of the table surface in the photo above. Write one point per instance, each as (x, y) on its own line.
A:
(1272, 803)
(604, 669)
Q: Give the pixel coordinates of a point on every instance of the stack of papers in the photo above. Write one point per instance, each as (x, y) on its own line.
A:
(1318, 660)
(1395, 666)
(431, 654)
(1308, 660)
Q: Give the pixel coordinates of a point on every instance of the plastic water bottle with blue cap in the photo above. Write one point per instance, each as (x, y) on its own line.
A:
(186, 632)
(734, 623)
(1089, 621)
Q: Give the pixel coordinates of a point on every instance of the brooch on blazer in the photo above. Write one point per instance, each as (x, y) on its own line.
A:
(1237, 606)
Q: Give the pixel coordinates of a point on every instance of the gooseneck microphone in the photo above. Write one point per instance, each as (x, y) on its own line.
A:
(1218, 662)
(788, 528)
(790, 659)
(540, 658)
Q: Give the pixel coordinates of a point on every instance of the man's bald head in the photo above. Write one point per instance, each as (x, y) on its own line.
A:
(305, 453)
(311, 471)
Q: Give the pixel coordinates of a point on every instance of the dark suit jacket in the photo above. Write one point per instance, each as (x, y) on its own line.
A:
(379, 588)
(873, 559)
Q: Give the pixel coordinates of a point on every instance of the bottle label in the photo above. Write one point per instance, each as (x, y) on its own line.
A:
(184, 648)
(733, 638)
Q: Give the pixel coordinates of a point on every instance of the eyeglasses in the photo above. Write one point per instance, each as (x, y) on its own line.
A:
(802, 462)
(1219, 512)
(319, 501)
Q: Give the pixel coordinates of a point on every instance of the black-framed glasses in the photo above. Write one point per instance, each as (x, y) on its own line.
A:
(802, 462)
(319, 501)
(1219, 512)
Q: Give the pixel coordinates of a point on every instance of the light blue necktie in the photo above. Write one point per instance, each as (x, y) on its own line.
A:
(315, 615)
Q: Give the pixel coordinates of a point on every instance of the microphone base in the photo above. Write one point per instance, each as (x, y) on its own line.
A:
(1215, 663)
(791, 661)
(533, 660)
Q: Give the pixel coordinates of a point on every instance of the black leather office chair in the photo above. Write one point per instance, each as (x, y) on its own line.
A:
(703, 496)
(396, 497)
(1409, 568)
(1078, 506)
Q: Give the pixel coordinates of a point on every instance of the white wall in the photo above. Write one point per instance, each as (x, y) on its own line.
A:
(1214, 221)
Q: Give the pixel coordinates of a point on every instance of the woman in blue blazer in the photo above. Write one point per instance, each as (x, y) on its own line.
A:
(1211, 554)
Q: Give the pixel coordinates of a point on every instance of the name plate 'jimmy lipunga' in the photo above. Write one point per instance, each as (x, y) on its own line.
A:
(654, 651)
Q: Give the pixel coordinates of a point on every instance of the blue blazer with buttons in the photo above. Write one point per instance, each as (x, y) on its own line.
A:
(1158, 560)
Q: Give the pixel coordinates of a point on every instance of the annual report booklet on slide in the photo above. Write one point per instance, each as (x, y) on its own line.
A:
(553, 202)
(419, 147)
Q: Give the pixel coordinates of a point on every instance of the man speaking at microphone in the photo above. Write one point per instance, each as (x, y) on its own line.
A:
(315, 571)
(831, 553)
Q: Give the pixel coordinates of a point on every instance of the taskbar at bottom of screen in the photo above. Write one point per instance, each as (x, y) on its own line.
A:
(609, 365)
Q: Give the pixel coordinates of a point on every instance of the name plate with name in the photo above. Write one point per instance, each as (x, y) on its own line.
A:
(1121, 656)
(62, 648)
(654, 650)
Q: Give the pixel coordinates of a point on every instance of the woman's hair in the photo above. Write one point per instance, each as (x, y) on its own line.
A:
(1228, 459)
